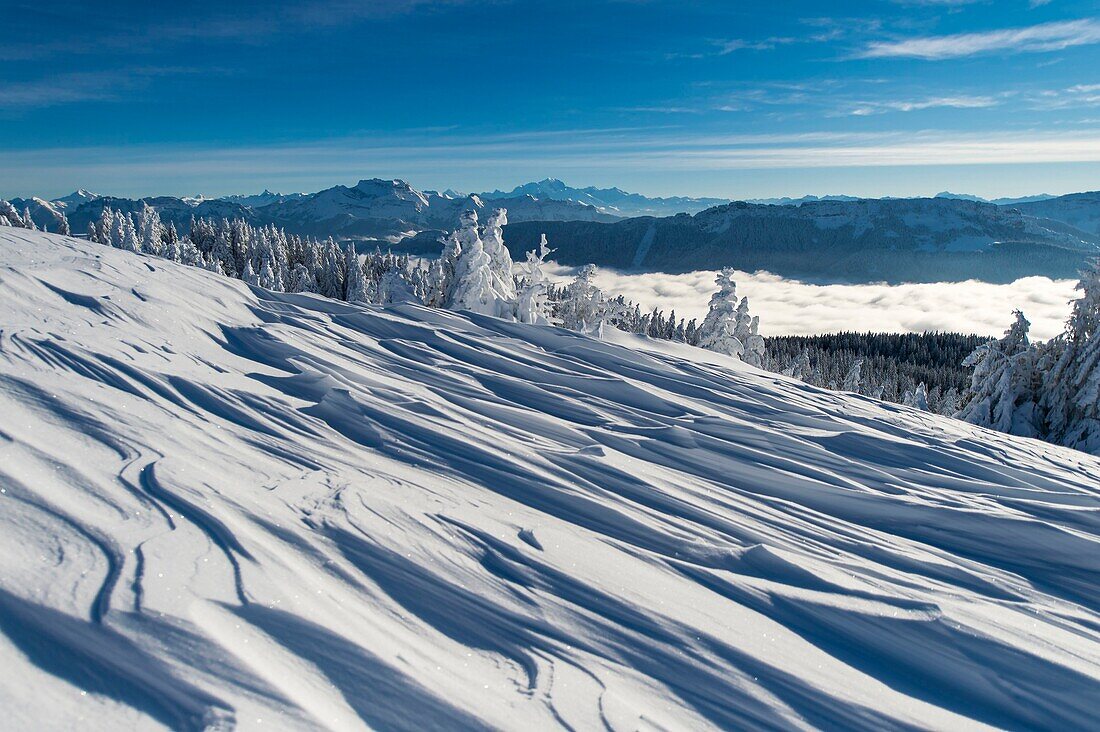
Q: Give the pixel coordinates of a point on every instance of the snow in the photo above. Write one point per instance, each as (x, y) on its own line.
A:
(611, 201)
(227, 507)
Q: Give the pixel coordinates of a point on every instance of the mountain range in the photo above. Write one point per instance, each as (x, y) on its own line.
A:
(612, 201)
(866, 240)
(950, 236)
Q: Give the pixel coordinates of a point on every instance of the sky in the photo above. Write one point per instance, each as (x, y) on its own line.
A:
(707, 97)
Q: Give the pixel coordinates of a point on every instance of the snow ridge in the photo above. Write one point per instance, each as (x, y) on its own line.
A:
(229, 507)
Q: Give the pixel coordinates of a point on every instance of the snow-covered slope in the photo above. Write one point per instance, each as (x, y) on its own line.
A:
(263, 199)
(1081, 210)
(178, 211)
(74, 199)
(222, 506)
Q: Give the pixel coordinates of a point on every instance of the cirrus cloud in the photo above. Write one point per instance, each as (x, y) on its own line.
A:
(1043, 37)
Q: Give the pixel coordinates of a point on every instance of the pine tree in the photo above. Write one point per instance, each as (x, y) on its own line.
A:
(150, 231)
(719, 328)
(531, 297)
(128, 239)
(854, 376)
(1002, 393)
(9, 213)
(582, 307)
(249, 275)
(477, 284)
(917, 398)
(267, 275)
(1069, 399)
(301, 280)
(355, 283)
(500, 261)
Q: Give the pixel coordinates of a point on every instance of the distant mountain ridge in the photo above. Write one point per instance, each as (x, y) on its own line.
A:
(948, 236)
(373, 210)
(263, 199)
(613, 201)
(867, 240)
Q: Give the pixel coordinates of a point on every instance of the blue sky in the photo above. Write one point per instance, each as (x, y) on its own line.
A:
(699, 98)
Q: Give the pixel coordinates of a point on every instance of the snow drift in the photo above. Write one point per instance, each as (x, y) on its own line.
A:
(224, 507)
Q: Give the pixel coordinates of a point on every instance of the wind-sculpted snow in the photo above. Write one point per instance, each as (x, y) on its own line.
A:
(227, 507)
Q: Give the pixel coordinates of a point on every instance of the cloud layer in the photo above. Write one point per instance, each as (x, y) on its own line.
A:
(790, 307)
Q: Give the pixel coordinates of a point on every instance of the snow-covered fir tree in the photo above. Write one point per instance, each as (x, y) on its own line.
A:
(748, 335)
(1071, 367)
(478, 283)
(917, 398)
(719, 329)
(532, 305)
(10, 216)
(854, 376)
(356, 288)
(500, 261)
(1003, 389)
(582, 307)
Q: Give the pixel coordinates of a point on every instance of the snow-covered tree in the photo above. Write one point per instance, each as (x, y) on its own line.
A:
(356, 287)
(719, 329)
(477, 285)
(249, 275)
(583, 307)
(1071, 398)
(1002, 393)
(151, 231)
(531, 301)
(500, 261)
(172, 249)
(747, 333)
(128, 236)
(799, 367)
(301, 280)
(11, 215)
(28, 222)
(267, 278)
(950, 403)
(917, 398)
(854, 376)
(394, 289)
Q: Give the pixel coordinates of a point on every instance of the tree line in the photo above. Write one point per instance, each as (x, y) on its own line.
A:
(1048, 390)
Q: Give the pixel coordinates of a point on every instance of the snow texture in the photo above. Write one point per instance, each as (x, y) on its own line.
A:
(223, 507)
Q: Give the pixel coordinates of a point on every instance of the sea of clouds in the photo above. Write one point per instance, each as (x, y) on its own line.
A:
(791, 307)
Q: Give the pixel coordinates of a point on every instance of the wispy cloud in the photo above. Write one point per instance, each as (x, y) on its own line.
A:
(1076, 96)
(1033, 39)
(127, 33)
(726, 47)
(661, 109)
(862, 109)
(79, 87)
